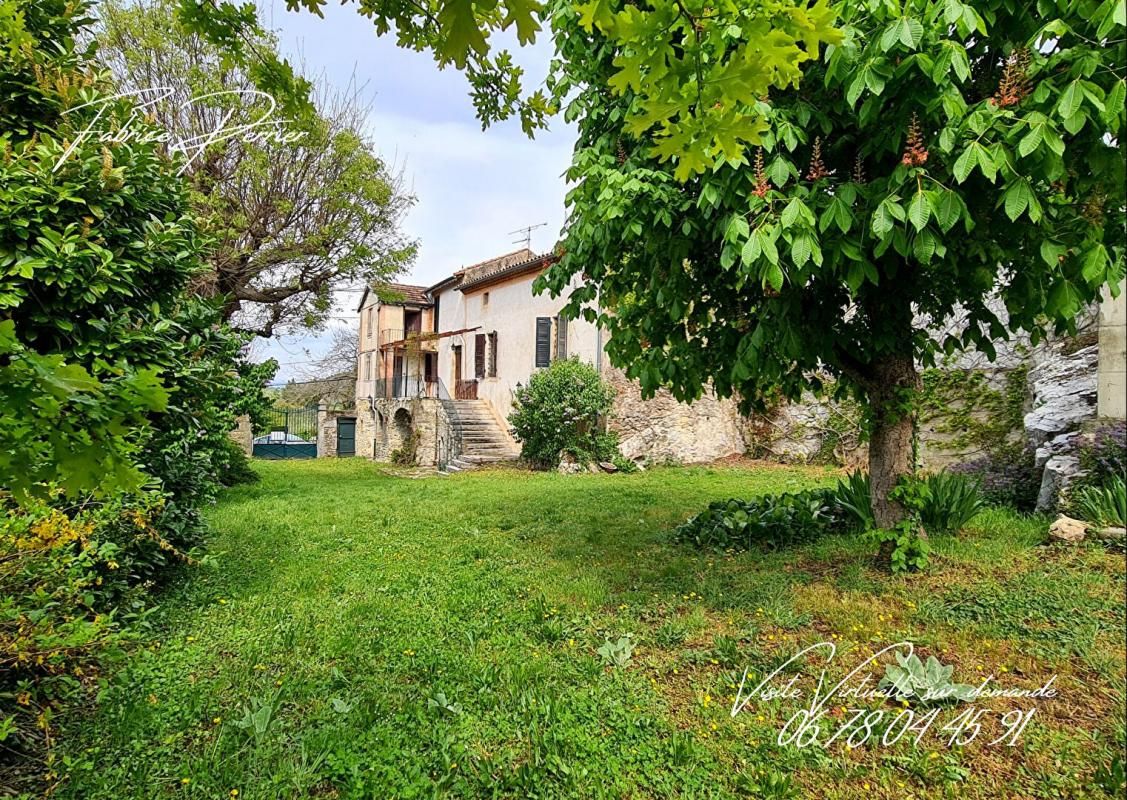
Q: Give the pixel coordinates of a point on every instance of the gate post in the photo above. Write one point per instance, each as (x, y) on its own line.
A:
(322, 418)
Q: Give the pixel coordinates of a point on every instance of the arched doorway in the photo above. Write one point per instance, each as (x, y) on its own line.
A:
(400, 440)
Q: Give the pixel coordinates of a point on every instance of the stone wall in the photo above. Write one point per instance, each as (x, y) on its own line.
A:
(327, 429)
(663, 430)
(385, 428)
(242, 435)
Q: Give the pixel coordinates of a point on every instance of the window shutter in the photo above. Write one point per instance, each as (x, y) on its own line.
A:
(479, 356)
(493, 354)
(543, 341)
(561, 337)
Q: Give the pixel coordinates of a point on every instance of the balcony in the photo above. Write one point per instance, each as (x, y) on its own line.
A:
(406, 387)
(408, 340)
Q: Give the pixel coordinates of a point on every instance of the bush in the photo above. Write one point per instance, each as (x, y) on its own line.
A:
(234, 467)
(1105, 459)
(117, 384)
(73, 588)
(559, 411)
(944, 502)
(1005, 478)
(855, 500)
(1102, 505)
(773, 521)
(949, 503)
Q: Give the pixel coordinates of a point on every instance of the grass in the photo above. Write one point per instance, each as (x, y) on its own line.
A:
(358, 634)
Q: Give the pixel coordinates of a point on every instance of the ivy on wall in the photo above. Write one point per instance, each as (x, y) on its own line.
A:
(970, 415)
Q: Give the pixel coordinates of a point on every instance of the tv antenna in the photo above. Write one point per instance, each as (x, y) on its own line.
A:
(526, 234)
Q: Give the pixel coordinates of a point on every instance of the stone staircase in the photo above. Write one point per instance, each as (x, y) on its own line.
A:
(482, 437)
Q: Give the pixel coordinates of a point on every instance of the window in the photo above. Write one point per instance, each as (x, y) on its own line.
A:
(485, 300)
(369, 323)
(543, 341)
(367, 366)
(493, 354)
(561, 337)
(479, 356)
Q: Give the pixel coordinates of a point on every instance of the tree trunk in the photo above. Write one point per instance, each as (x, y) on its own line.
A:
(892, 404)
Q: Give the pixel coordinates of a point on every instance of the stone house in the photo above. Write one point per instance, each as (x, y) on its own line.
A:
(439, 365)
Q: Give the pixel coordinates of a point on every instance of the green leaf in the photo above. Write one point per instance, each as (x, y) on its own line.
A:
(924, 246)
(1051, 252)
(1063, 301)
(965, 163)
(911, 32)
(779, 171)
(1096, 263)
(774, 276)
(919, 211)
(1017, 198)
(1032, 140)
(794, 210)
(1070, 100)
(947, 207)
(883, 219)
(767, 243)
(986, 164)
(800, 250)
(751, 250)
(738, 229)
(890, 36)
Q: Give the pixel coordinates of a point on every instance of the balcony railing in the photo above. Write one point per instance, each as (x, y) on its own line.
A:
(409, 387)
(408, 339)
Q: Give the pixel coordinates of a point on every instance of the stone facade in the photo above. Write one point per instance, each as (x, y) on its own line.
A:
(327, 429)
(389, 424)
(663, 430)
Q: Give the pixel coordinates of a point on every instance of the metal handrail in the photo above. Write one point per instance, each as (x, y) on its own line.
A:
(409, 387)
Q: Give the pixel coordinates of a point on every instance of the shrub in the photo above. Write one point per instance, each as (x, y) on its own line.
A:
(73, 586)
(1005, 478)
(773, 521)
(559, 411)
(235, 468)
(117, 385)
(902, 545)
(949, 503)
(855, 500)
(1105, 458)
(1102, 505)
(944, 502)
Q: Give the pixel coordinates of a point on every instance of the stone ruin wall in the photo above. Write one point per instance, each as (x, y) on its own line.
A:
(1062, 375)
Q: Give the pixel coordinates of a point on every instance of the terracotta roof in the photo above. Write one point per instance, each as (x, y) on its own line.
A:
(496, 268)
(416, 295)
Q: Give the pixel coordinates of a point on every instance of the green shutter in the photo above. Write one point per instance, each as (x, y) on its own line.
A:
(543, 341)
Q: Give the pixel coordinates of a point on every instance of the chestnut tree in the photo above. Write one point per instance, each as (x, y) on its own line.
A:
(943, 158)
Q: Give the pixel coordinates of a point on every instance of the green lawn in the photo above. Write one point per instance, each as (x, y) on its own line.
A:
(359, 634)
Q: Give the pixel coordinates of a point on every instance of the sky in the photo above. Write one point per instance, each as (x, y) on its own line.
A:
(472, 187)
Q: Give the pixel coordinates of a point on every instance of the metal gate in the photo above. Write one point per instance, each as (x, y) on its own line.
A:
(346, 436)
(287, 433)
